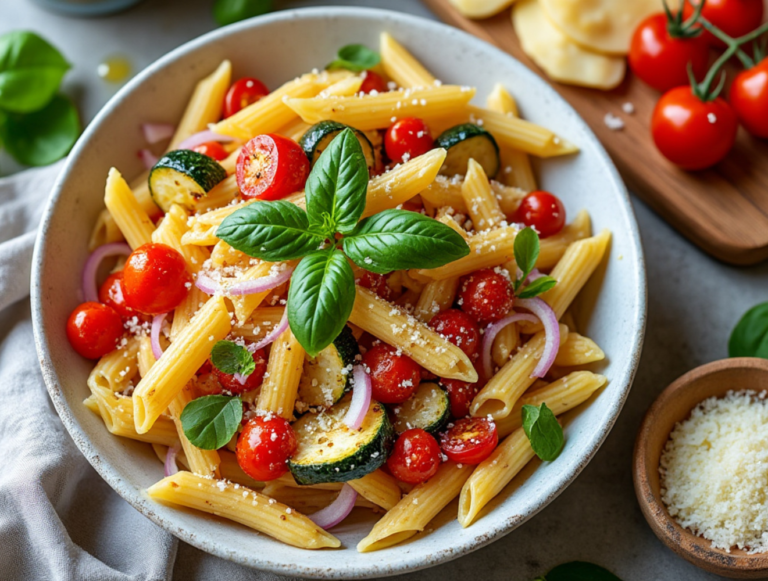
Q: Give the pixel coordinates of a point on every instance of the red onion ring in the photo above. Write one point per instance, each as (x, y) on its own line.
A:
(361, 398)
(534, 274)
(171, 467)
(337, 511)
(156, 132)
(548, 318)
(148, 158)
(245, 287)
(203, 137)
(154, 335)
(269, 338)
(490, 334)
(90, 288)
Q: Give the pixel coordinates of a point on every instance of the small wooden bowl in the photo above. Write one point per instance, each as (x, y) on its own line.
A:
(673, 405)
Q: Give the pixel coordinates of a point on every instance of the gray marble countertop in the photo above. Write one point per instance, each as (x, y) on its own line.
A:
(694, 302)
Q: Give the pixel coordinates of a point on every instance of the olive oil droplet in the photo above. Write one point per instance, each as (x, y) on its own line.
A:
(115, 69)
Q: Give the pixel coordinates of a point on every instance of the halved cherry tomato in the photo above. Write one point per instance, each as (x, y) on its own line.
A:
(734, 17)
(660, 59)
(212, 149)
(253, 381)
(394, 376)
(372, 82)
(271, 167)
(94, 329)
(242, 93)
(375, 282)
(542, 211)
(691, 133)
(155, 279)
(265, 446)
(416, 457)
(470, 440)
(406, 139)
(460, 394)
(460, 329)
(112, 294)
(749, 98)
(486, 295)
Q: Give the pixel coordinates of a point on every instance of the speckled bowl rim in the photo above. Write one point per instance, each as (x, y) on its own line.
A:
(415, 559)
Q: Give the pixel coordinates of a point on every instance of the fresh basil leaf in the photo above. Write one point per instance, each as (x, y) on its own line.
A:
(320, 299)
(356, 58)
(42, 137)
(579, 571)
(337, 185)
(537, 287)
(31, 71)
(526, 253)
(210, 422)
(232, 358)
(543, 431)
(272, 231)
(229, 11)
(750, 336)
(398, 239)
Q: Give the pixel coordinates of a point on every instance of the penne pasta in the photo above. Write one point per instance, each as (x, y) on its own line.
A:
(379, 488)
(116, 370)
(578, 350)
(401, 66)
(130, 217)
(202, 462)
(482, 205)
(505, 344)
(281, 382)
(436, 297)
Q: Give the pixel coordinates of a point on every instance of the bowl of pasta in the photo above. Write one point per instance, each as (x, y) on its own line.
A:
(338, 321)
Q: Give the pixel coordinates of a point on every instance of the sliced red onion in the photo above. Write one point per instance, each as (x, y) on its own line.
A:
(204, 137)
(154, 335)
(246, 287)
(272, 335)
(490, 335)
(533, 276)
(361, 398)
(90, 288)
(171, 467)
(337, 511)
(148, 158)
(156, 132)
(548, 318)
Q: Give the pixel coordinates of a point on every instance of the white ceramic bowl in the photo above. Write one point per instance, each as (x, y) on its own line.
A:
(276, 48)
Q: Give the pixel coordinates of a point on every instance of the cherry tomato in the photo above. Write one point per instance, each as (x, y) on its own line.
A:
(406, 139)
(242, 93)
(394, 377)
(734, 17)
(690, 133)
(271, 167)
(542, 211)
(460, 329)
(264, 447)
(661, 60)
(416, 457)
(212, 149)
(486, 295)
(372, 82)
(94, 329)
(253, 381)
(112, 294)
(470, 440)
(460, 394)
(155, 279)
(375, 282)
(749, 98)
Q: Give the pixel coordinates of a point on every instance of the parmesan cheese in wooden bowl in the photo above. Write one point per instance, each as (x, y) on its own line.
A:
(701, 467)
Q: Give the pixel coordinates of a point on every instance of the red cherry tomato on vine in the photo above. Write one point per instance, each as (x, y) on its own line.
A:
(416, 457)
(212, 149)
(470, 440)
(372, 82)
(253, 381)
(374, 282)
(242, 93)
(94, 329)
(691, 133)
(460, 329)
(486, 295)
(749, 98)
(734, 17)
(264, 447)
(460, 394)
(660, 60)
(406, 139)
(112, 294)
(394, 377)
(155, 279)
(271, 167)
(542, 211)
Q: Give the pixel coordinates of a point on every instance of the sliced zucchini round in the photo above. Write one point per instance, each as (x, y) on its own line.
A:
(183, 177)
(320, 135)
(429, 409)
(328, 376)
(465, 142)
(329, 451)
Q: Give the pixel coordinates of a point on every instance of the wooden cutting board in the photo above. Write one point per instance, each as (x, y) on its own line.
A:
(724, 210)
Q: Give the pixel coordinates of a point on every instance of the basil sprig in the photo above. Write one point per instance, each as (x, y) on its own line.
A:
(527, 250)
(750, 336)
(322, 291)
(231, 358)
(355, 58)
(578, 571)
(543, 431)
(209, 422)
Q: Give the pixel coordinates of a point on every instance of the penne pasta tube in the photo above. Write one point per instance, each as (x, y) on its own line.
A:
(145, 359)
(261, 323)
(244, 305)
(182, 315)
(251, 509)
(578, 350)
(554, 247)
(281, 382)
(220, 195)
(436, 297)
(505, 344)
(379, 488)
(202, 462)
(308, 500)
(401, 66)
(482, 205)
(171, 230)
(116, 370)
(130, 217)
(444, 191)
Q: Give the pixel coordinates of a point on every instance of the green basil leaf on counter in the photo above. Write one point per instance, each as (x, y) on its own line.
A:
(356, 58)
(578, 571)
(230, 11)
(543, 431)
(232, 358)
(537, 287)
(209, 422)
(750, 336)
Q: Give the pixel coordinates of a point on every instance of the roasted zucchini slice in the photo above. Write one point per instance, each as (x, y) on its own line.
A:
(429, 409)
(183, 177)
(465, 142)
(320, 135)
(328, 376)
